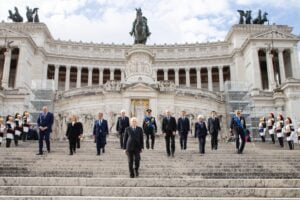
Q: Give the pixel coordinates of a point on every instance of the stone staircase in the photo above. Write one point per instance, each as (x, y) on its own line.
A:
(264, 171)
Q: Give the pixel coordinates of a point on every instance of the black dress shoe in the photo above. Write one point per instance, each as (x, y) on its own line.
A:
(39, 154)
(131, 175)
(71, 154)
(98, 154)
(136, 172)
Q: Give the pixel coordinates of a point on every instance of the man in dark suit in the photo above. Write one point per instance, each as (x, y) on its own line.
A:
(201, 133)
(169, 129)
(133, 146)
(238, 127)
(183, 127)
(214, 128)
(150, 128)
(122, 124)
(100, 132)
(45, 122)
(80, 132)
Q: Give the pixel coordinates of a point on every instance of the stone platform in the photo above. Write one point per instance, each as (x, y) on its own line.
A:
(264, 171)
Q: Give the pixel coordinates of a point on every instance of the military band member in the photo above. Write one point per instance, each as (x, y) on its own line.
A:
(2, 129)
(279, 129)
(214, 128)
(18, 128)
(201, 132)
(169, 129)
(45, 122)
(133, 146)
(238, 127)
(26, 125)
(262, 127)
(10, 130)
(122, 124)
(298, 132)
(150, 128)
(271, 126)
(289, 132)
(183, 127)
(100, 131)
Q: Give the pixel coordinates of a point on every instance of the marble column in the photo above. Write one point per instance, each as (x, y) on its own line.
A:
(90, 76)
(281, 66)
(270, 67)
(199, 78)
(165, 74)
(295, 63)
(112, 71)
(67, 83)
(78, 81)
(187, 78)
(6, 68)
(256, 76)
(221, 78)
(177, 77)
(210, 83)
(122, 75)
(56, 73)
(100, 76)
(22, 70)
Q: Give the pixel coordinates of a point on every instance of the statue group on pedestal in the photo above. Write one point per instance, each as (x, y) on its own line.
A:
(140, 29)
(31, 14)
(246, 18)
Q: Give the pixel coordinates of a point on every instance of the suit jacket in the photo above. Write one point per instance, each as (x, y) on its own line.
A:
(213, 125)
(169, 126)
(134, 140)
(122, 124)
(183, 125)
(80, 128)
(46, 121)
(100, 130)
(149, 125)
(73, 130)
(200, 129)
(235, 125)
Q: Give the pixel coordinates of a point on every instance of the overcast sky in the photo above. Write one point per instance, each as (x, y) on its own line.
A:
(170, 21)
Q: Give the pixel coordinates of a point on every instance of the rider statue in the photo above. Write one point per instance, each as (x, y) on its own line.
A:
(140, 29)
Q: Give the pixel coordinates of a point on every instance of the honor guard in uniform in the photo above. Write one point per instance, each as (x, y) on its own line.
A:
(150, 128)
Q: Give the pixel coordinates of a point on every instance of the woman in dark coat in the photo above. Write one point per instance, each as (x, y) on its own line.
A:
(73, 132)
(201, 133)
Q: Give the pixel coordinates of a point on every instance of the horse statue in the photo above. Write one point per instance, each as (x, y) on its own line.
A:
(15, 17)
(30, 13)
(140, 29)
(248, 17)
(242, 15)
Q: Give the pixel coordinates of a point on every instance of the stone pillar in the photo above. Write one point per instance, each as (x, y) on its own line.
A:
(90, 76)
(177, 77)
(295, 63)
(199, 78)
(56, 73)
(187, 78)
(210, 83)
(21, 66)
(281, 66)
(122, 75)
(270, 71)
(154, 75)
(78, 81)
(67, 83)
(112, 71)
(165, 74)
(6, 69)
(256, 70)
(221, 78)
(100, 76)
